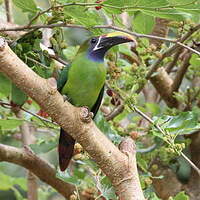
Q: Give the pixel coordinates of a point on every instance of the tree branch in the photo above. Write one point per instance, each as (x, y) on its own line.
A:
(8, 11)
(27, 159)
(75, 121)
(168, 52)
(138, 35)
(10, 34)
(181, 72)
(163, 84)
(27, 139)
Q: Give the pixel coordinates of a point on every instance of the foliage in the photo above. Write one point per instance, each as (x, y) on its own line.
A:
(127, 68)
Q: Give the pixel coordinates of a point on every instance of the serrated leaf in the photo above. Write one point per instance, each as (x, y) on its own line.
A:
(8, 124)
(26, 6)
(143, 23)
(5, 85)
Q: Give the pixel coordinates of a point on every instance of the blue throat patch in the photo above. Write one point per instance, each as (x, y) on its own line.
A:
(97, 56)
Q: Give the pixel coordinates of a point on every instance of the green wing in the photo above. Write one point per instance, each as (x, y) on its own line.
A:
(96, 106)
(62, 78)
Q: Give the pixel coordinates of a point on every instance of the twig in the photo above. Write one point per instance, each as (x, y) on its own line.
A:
(178, 43)
(36, 62)
(8, 11)
(119, 109)
(60, 60)
(168, 52)
(174, 61)
(39, 117)
(123, 8)
(134, 108)
(8, 105)
(191, 163)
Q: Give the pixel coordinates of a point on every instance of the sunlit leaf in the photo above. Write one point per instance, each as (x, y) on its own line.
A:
(9, 124)
(5, 85)
(26, 6)
(143, 23)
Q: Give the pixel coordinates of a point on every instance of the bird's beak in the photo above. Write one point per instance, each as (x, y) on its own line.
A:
(114, 38)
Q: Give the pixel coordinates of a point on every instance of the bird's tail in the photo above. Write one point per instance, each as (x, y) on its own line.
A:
(65, 149)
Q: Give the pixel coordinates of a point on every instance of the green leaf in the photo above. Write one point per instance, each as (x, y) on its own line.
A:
(44, 146)
(169, 14)
(142, 163)
(195, 60)
(153, 108)
(83, 16)
(143, 23)
(193, 9)
(9, 124)
(70, 52)
(65, 176)
(182, 124)
(179, 2)
(5, 85)
(152, 4)
(8, 182)
(181, 196)
(118, 3)
(26, 6)
(17, 96)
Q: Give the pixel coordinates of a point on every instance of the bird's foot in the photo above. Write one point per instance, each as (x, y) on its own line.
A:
(85, 114)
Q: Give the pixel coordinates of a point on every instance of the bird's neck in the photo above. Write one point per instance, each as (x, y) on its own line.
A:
(97, 56)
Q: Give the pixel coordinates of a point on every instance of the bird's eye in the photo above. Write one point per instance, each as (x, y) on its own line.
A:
(93, 40)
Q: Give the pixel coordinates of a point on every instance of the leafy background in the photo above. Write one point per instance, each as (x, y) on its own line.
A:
(125, 74)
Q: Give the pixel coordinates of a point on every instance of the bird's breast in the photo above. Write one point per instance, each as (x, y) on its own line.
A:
(85, 82)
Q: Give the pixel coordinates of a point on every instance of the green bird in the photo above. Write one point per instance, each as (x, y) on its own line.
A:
(83, 82)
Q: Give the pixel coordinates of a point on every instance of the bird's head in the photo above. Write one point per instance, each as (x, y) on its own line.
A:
(98, 46)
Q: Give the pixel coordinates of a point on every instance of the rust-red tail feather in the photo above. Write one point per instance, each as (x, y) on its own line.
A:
(65, 149)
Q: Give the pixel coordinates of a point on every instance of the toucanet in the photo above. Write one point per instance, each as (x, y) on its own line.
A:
(83, 82)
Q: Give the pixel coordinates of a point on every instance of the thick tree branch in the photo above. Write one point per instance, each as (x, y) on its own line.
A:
(25, 158)
(75, 121)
